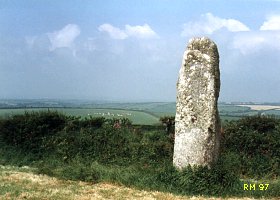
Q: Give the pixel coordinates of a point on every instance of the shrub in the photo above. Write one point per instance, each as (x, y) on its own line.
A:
(27, 131)
(76, 123)
(96, 122)
(168, 122)
(111, 145)
(257, 141)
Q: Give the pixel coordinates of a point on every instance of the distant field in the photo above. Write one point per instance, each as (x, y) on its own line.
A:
(233, 108)
(137, 117)
(261, 107)
(272, 112)
(148, 113)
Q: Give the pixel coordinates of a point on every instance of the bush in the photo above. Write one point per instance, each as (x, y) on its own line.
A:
(76, 123)
(257, 141)
(111, 145)
(169, 123)
(27, 131)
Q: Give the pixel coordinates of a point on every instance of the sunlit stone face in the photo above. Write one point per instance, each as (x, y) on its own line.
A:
(197, 123)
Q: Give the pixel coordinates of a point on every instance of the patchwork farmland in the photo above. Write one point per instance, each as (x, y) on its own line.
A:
(147, 113)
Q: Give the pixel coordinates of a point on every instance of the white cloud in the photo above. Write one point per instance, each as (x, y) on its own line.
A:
(266, 38)
(272, 23)
(248, 43)
(252, 42)
(113, 32)
(64, 37)
(144, 31)
(209, 23)
(138, 31)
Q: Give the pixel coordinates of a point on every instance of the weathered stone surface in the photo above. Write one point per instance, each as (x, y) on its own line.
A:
(197, 122)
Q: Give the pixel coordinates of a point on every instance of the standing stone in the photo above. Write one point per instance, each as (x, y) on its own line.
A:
(197, 122)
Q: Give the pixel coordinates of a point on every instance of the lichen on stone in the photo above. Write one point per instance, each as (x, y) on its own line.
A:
(197, 123)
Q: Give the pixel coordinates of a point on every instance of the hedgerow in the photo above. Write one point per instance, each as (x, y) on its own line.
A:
(97, 149)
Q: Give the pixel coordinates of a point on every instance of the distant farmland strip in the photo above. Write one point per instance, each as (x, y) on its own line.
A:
(144, 113)
(261, 107)
(136, 116)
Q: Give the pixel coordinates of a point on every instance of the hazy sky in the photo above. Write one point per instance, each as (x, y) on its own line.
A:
(132, 50)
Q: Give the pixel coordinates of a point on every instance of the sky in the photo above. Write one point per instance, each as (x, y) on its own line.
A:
(122, 50)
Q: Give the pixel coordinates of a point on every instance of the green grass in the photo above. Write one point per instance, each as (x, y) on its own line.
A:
(233, 108)
(22, 183)
(272, 112)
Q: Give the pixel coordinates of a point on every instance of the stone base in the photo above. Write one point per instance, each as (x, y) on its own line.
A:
(194, 148)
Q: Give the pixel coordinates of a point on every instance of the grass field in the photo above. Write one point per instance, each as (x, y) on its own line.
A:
(22, 183)
(272, 112)
(233, 108)
(147, 113)
(137, 117)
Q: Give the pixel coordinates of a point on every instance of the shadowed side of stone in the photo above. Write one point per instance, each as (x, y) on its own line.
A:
(197, 122)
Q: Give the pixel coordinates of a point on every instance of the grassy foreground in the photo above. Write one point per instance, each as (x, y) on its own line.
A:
(22, 183)
(99, 151)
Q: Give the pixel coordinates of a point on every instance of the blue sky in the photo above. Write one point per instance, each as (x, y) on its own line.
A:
(132, 50)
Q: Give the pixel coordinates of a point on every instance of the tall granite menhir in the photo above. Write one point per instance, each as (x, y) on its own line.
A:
(197, 122)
